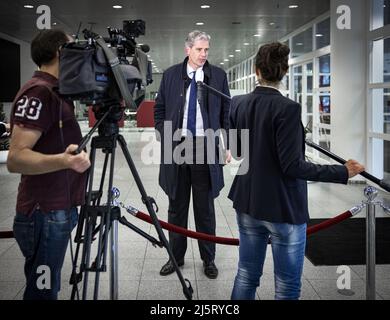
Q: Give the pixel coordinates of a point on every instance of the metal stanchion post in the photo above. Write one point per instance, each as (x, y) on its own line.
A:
(114, 261)
(371, 193)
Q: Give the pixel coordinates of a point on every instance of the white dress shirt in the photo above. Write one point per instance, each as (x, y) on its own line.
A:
(199, 120)
(261, 85)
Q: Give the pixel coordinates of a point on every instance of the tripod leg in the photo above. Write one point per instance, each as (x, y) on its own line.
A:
(114, 261)
(77, 277)
(102, 247)
(149, 205)
(113, 234)
(84, 266)
(103, 229)
(103, 176)
(74, 280)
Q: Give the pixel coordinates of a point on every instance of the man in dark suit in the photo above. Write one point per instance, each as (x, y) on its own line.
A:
(187, 122)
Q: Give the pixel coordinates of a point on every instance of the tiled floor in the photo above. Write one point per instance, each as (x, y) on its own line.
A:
(140, 262)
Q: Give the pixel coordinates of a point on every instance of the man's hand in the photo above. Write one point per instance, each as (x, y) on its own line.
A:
(77, 162)
(228, 156)
(354, 168)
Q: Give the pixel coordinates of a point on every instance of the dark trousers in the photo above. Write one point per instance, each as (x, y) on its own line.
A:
(197, 178)
(43, 239)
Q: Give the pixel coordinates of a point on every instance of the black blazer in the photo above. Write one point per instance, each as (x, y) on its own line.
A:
(275, 189)
(170, 107)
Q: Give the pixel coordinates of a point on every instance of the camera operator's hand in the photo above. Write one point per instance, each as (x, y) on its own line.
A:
(77, 162)
(354, 168)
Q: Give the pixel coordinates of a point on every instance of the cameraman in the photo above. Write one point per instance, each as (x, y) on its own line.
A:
(45, 134)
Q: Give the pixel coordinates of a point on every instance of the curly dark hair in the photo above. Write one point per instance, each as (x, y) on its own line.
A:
(45, 45)
(272, 61)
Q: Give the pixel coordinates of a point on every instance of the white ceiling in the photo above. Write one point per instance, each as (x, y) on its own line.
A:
(231, 23)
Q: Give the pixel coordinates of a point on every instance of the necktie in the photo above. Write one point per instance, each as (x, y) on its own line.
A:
(191, 120)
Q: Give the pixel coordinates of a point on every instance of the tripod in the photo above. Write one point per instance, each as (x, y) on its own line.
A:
(109, 215)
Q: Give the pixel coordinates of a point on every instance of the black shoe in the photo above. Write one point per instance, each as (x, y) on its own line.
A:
(169, 268)
(210, 270)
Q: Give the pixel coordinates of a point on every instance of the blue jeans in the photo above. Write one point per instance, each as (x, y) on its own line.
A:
(288, 248)
(43, 239)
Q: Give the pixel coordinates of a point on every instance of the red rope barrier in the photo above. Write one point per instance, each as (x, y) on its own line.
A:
(6, 235)
(189, 233)
(220, 240)
(235, 242)
(328, 223)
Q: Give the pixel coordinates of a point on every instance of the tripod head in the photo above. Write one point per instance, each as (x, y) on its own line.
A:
(108, 114)
(114, 110)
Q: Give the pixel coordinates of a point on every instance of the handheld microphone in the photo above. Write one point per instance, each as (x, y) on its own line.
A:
(199, 91)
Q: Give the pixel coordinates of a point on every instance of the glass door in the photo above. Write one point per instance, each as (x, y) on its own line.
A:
(323, 125)
(303, 94)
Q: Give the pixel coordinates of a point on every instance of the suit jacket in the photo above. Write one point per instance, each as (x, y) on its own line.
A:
(169, 107)
(275, 188)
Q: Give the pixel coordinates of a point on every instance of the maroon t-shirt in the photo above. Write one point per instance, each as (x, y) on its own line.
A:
(38, 106)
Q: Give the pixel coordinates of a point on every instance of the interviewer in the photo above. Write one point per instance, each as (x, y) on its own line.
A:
(271, 198)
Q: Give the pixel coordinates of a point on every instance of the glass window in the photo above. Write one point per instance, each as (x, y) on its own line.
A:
(386, 159)
(381, 110)
(381, 61)
(298, 84)
(309, 77)
(381, 159)
(302, 43)
(324, 65)
(309, 127)
(324, 141)
(323, 34)
(286, 82)
(324, 108)
(380, 13)
(309, 103)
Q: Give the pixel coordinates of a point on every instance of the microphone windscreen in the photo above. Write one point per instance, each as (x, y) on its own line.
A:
(199, 75)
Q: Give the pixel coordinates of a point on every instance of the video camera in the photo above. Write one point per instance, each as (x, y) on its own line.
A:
(99, 71)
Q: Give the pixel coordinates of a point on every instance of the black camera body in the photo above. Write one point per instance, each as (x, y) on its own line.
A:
(86, 72)
(86, 75)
